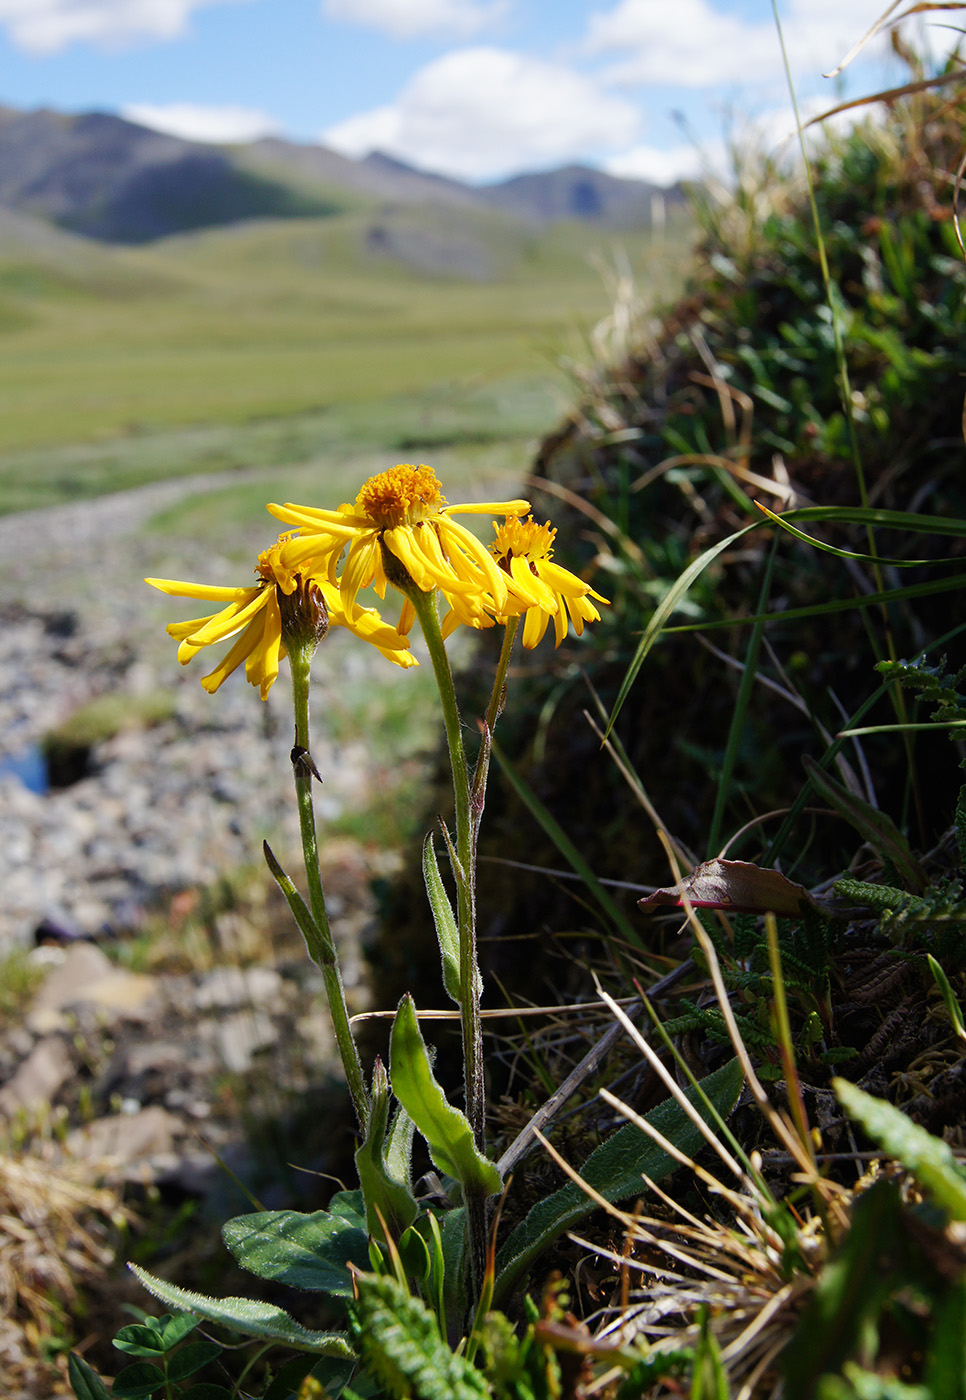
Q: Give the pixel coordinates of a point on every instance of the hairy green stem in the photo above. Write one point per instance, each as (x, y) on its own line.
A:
(324, 952)
(465, 866)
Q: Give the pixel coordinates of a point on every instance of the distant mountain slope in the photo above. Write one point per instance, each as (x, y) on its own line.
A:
(111, 179)
(118, 182)
(578, 192)
(377, 177)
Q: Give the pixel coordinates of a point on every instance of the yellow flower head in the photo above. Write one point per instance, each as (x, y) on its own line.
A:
(537, 586)
(257, 617)
(400, 530)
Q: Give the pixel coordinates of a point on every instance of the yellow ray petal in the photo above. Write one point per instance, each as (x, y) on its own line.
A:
(196, 590)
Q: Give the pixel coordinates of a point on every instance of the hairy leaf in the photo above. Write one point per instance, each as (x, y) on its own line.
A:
(306, 1251)
(446, 1130)
(390, 1205)
(447, 933)
(247, 1316)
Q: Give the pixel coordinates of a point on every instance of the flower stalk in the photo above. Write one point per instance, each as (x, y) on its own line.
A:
(464, 867)
(324, 953)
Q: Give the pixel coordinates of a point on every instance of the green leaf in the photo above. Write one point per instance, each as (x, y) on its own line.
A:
(399, 1147)
(839, 1320)
(247, 1316)
(85, 1382)
(953, 1009)
(137, 1381)
(173, 1328)
(191, 1359)
(305, 1251)
(447, 933)
(400, 1342)
(945, 1374)
(928, 1158)
(708, 1378)
(390, 1205)
(138, 1340)
(332, 1375)
(615, 1170)
(446, 1130)
(874, 826)
(204, 1391)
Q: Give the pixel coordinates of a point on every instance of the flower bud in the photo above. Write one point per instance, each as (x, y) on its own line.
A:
(305, 617)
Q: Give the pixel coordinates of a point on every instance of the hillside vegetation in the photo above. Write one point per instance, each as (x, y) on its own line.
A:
(278, 320)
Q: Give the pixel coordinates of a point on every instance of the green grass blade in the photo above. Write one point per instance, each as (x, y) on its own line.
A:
(884, 519)
(836, 605)
(739, 715)
(566, 847)
(671, 600)
(876, 559)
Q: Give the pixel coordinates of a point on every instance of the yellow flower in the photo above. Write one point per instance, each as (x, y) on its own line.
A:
(537, 586)
(254, 616)
(401, 517)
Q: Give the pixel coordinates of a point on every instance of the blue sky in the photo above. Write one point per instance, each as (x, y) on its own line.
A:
(477, 89)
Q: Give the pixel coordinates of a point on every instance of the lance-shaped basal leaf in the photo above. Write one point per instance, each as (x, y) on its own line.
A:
(737, 885)
(390, 1205)
(928, 1158)
(447, 1131)
(447, 933)
(615, 1170)
(244, 1315)
(305, 1251)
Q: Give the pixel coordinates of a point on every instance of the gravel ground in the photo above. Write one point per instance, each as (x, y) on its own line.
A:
(161, 808)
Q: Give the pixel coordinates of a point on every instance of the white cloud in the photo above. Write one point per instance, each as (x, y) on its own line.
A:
(480, 113)
(43, 26)
(659, 167)
(403, 19)
(192, 122)
(696, 43)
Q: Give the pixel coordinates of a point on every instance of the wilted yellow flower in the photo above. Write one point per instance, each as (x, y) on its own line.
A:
(401, 515)
(537, 587)
(255, 617)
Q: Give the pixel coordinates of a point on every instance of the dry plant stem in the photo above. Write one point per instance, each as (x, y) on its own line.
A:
(464, 870)
(324, 953)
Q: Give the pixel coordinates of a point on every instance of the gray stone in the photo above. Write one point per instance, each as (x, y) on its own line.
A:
(88, 978)
(38, 1078)
(237, 986)
(241, 1035)
(140, 1145)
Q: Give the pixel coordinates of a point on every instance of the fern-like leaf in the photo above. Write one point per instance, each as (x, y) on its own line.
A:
(400, 1344)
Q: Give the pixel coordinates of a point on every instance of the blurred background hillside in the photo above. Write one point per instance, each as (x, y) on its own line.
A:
(269, 321)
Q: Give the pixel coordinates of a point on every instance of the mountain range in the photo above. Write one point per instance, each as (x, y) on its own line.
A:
(111, 180)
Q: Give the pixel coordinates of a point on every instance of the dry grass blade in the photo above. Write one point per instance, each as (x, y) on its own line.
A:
(55, 1232)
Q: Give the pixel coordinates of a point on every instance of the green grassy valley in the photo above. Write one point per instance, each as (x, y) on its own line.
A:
(384, 328)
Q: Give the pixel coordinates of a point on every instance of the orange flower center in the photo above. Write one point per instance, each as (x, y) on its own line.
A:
(270, 567)
(403, 495)
(523, 538)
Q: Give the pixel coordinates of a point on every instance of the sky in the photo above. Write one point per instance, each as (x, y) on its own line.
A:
(475, 89)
